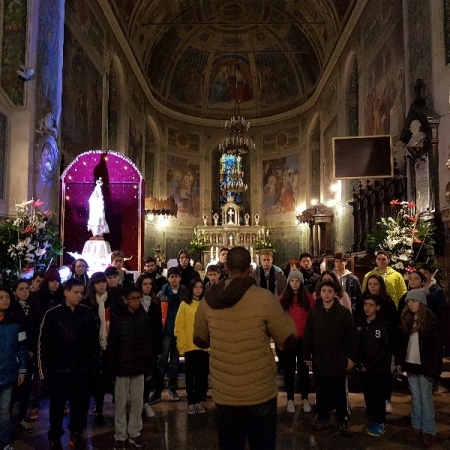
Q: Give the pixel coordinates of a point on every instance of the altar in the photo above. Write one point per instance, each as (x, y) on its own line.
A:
(231, 233)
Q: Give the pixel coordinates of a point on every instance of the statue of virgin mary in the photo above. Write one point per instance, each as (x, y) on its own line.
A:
(97, 222)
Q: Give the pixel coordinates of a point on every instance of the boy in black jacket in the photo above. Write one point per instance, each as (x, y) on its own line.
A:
(330, 345)
(374, 362)
(67, 346)
(130, 350)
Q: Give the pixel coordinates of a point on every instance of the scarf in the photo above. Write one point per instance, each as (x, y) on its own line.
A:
(104, 320)
(263, 281)
(146, 301)
(25, 306)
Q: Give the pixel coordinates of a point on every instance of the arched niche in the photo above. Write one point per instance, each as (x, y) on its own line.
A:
(123, 191)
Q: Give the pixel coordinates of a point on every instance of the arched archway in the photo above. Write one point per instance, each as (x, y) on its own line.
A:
(123, 192)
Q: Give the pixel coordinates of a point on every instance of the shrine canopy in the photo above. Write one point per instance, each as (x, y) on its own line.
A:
(123, 192)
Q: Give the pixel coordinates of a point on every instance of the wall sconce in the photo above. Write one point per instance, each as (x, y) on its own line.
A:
(335, 194)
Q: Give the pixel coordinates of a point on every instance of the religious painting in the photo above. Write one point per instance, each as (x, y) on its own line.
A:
(280, 184)
(183, 184)
(14, 43)
(186, 84)
(230, 78)
(384, 93)
(419, 41)
(277, 84)
(49, 58)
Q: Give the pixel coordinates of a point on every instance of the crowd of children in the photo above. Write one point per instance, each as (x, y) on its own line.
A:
(91, 332)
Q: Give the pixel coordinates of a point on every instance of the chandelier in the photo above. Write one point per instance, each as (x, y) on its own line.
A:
(237, 143)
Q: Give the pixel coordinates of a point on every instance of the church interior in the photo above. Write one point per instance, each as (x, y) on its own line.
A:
(274, 108)
(290, 125)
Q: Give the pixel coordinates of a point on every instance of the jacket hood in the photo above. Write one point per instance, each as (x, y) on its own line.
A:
(362, 321)
(319, 303)
(347, 272)
(227, 293)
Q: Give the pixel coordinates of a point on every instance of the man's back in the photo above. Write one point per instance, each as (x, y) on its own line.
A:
(237, 320)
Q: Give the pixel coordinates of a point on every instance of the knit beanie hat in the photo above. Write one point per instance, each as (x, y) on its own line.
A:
(295, 274)
(420, 295)
(52, 274)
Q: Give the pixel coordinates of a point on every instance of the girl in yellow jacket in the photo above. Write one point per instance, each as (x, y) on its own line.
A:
(196, 359)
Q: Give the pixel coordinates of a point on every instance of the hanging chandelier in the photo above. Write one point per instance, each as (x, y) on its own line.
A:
(237, 143)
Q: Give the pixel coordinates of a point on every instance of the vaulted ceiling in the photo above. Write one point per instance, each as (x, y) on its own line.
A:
(199, 55)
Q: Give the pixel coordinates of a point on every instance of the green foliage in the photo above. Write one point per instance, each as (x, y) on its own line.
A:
(28, 242)
(197, 243)
(407, 238)
(264, 241)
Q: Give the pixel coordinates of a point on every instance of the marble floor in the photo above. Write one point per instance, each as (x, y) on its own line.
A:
(173, 429)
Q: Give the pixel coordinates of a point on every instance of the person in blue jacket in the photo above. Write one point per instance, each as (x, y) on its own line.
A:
(13, 361)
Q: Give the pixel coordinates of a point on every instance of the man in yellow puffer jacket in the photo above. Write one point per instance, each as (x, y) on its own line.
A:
(236, 320)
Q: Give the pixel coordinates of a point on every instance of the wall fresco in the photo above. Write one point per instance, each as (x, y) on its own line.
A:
(183, 184)
(14, 29)
(280, 184)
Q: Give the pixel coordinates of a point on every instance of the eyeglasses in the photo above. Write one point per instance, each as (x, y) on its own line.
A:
(134, 299)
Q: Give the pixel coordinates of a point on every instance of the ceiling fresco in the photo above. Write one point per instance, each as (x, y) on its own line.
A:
(200, 55)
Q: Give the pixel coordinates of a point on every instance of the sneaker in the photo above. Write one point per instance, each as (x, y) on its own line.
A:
(33, 414)
(290, 408)
(8, 447)
(56, 445)
(137, 441)
(388, 407)
(24, 426)
(173, 395)
(154, 398)
(190, 410)
(321, 425)
(343, 428)
(306, 406)
(99, 420)
(199, 408)
(119, 445)
(148, 411)
(76, 440)
(375, 429)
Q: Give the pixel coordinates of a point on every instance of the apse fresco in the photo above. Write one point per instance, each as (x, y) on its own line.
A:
(226, 83)
(183, 184)
(277, 83)
(186, 84)
(280, 184)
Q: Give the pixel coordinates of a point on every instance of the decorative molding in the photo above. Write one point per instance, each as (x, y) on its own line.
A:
(310, 103)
